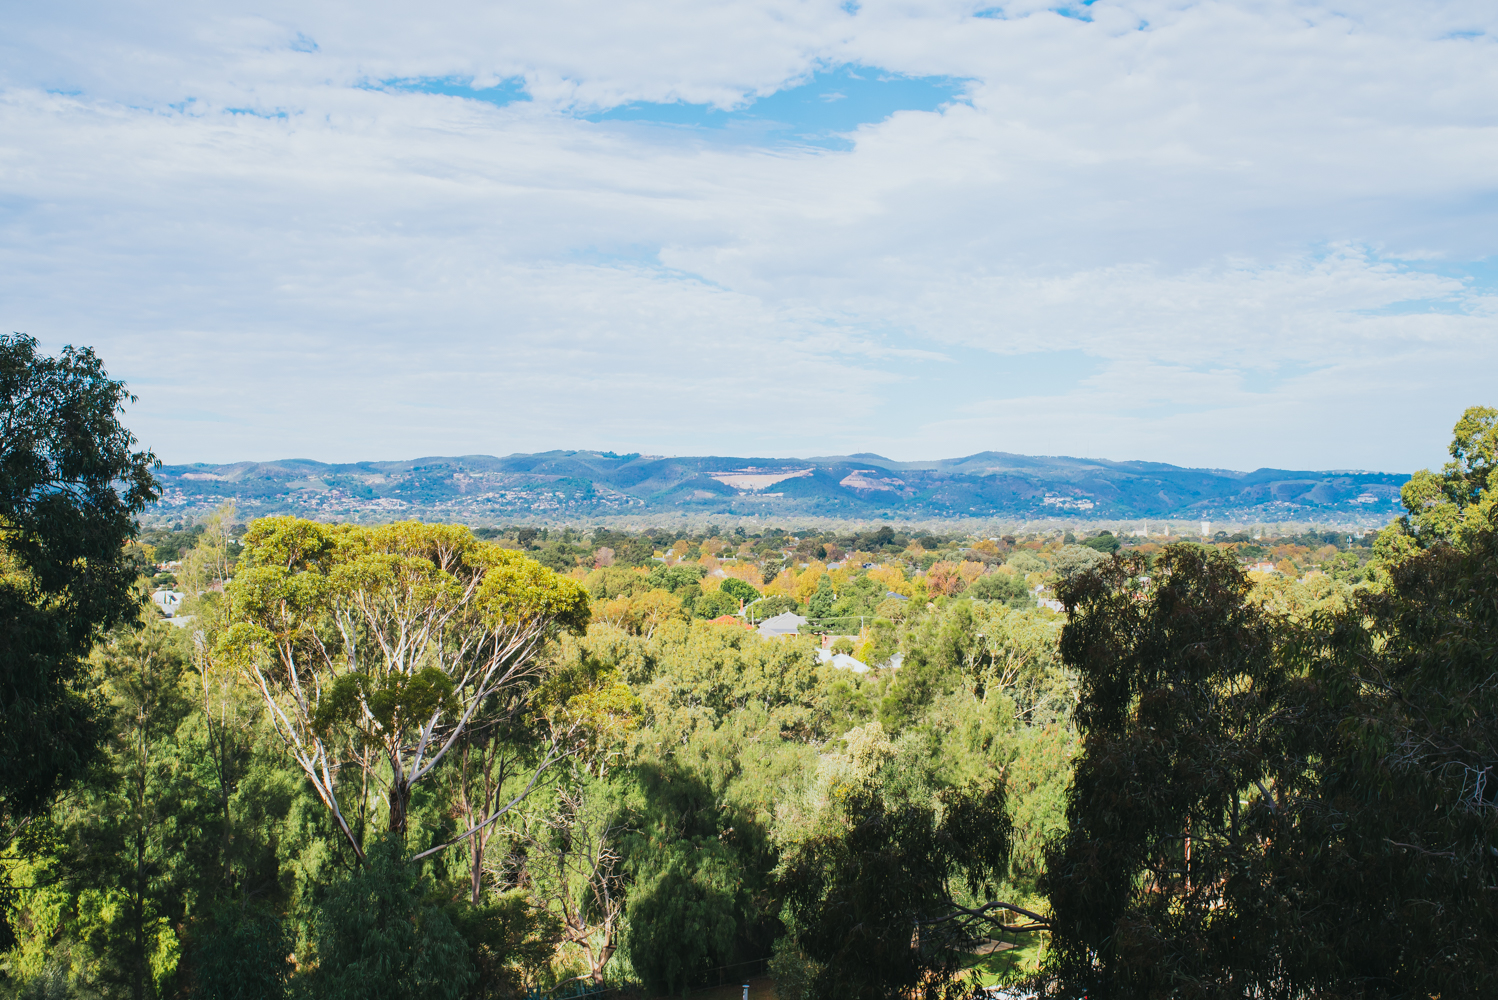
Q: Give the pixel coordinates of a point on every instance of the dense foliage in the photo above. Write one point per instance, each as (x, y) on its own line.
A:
(418, 760)
(621, 806)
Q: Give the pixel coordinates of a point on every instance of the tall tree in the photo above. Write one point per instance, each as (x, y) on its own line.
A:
(1159, 877)
(70, 488)
(1400, 842)
(381, 647)
(209, 564)
(136, 834)
(1277, 807)
(573, 862)
(1437, 504)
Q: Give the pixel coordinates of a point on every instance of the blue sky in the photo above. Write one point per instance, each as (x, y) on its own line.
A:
(822, 111)
(1213, 234)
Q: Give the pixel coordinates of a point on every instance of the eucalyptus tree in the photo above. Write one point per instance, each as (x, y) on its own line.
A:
(574, 863)
(380, 648)
(1162, 871)
(1437, 503)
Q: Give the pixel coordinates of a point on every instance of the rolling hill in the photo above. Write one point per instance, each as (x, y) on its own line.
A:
(589, 484)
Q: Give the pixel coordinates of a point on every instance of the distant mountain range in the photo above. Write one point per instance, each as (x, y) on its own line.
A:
(578, 485)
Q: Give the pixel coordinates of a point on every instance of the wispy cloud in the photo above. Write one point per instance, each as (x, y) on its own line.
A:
(1200, 232)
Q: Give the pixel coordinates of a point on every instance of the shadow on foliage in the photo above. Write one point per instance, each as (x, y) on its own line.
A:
(1280, 808)
(693, 906)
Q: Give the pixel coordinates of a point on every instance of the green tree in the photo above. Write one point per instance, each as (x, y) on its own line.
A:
(377, 649)
(877, 904)
(1281, 807)
(615, 581)
(143, 677)
(1154, 881)
(739, 590)
(1104, 541)
(1074, 559)
(210, 563)
(377, 938)
(769, 607)
(1437, 504)
(111, 860)
(987, 650)
(70, 489)
(675, 578)
(1006, 587)
(1395, 825)
(573, 864)
(714, 604)
(820, 604)
(688, 894)
(242, 955)
(1025, 562)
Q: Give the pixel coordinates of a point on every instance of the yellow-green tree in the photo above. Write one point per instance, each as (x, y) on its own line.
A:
(1441, 506)
(378, 649)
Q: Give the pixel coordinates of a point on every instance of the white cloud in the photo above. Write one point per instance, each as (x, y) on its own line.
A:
(1196, 232)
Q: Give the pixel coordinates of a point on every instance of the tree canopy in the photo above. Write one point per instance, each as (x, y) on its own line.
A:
(71, 485)
(1282, 805)
(379, 647)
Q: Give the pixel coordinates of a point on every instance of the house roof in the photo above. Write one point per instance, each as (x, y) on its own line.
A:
(785, 623)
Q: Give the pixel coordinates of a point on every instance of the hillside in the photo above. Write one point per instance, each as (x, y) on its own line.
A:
(589, 484)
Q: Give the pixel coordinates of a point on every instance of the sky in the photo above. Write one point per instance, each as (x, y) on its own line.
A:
(1228, 235)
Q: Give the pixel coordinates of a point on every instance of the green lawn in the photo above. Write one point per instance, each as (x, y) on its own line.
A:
(1004, 966)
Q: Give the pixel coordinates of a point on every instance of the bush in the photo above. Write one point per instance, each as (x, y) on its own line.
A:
(792, 971)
